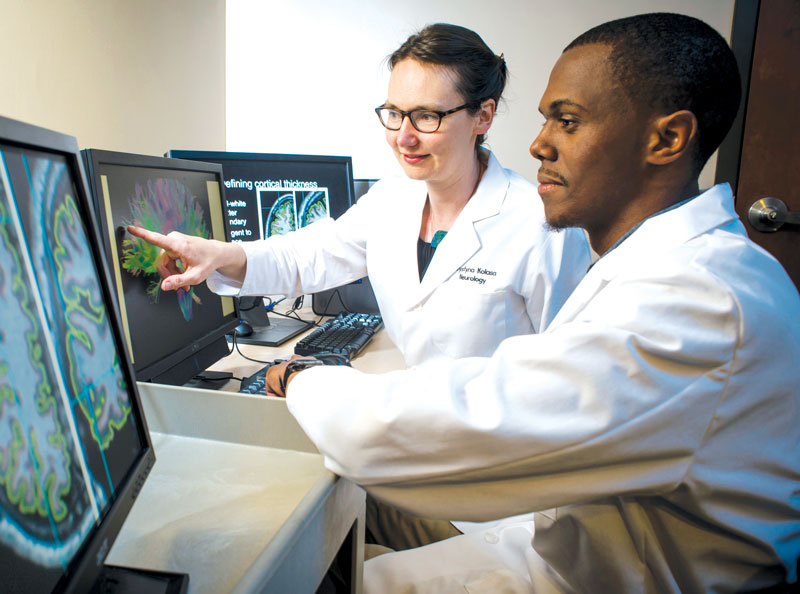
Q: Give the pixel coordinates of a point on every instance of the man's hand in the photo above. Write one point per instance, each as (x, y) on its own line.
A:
(277, 381)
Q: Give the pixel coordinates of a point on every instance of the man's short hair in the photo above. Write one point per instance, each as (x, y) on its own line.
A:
(667, 62)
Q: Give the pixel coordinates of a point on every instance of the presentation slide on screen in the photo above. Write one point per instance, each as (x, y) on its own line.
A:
(260, 209)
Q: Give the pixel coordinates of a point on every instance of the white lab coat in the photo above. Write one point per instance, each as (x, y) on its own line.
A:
(659, 414)
(497, 273)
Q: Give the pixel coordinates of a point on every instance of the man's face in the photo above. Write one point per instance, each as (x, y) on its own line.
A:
(591, 146)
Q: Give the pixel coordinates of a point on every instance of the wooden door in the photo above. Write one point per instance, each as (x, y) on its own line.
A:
(766, 162)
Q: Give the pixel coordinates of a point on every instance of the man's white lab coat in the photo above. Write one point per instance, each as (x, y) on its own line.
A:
(657, 419)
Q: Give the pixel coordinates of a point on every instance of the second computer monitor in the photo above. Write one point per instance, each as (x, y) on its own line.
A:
(173, 335)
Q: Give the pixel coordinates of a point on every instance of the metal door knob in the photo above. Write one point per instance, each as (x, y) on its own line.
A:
(770, 214)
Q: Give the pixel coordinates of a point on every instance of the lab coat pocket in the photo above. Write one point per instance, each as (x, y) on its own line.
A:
(464, 322)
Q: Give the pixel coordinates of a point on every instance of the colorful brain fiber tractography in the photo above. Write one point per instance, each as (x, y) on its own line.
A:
(164, 205)
(313, 207)
(59, 372)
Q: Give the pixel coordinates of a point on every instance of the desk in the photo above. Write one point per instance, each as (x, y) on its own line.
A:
(239, 498)
(378, 356)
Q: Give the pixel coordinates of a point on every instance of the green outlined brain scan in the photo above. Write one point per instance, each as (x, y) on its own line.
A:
(282, 217)
(287, 209)
(314, 206)
(67, 435)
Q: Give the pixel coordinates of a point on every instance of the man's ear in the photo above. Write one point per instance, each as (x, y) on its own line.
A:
(672, 136)
(485, 116)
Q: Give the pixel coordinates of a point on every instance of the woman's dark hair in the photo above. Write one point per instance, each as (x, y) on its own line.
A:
(666, 62)
(479, 73)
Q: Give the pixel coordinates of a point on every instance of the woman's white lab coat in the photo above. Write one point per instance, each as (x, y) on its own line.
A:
(497, 273)
(659, 411)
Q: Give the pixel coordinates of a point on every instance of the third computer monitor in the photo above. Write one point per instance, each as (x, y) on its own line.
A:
(270, 194)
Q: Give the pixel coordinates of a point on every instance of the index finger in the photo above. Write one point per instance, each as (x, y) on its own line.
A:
(153, 237)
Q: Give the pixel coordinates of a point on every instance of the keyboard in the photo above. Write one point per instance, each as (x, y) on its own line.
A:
(256, 383)
(346, 334)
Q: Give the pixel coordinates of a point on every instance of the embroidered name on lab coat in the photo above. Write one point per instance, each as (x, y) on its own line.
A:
(475, 275)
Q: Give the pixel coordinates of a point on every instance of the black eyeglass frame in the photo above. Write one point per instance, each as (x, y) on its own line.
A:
(403, 114)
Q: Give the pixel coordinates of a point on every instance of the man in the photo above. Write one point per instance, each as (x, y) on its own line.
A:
(653, 427)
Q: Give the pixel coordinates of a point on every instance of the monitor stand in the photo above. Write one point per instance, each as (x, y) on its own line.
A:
(209, 380)
(267, 330)
(114, 579)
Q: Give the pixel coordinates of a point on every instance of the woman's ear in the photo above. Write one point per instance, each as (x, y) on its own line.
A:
(485, 116)
(672, 136)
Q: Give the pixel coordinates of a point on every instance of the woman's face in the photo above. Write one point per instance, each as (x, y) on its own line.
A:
(439, 158)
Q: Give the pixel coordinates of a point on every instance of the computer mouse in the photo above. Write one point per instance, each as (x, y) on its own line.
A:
(243, 329)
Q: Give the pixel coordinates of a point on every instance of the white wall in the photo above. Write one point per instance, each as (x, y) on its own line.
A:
(145, 76)
(139, 76)
(304, 75)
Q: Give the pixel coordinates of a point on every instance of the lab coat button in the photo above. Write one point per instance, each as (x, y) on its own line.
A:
(491, 537)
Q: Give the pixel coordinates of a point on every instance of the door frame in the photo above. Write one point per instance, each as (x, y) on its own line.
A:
(743, 38)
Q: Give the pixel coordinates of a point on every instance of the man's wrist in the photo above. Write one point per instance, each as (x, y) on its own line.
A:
(294, 367)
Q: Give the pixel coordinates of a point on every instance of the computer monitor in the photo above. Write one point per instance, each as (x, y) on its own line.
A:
(357, 296)
(74, 444)
(271, 194)
(173, 336)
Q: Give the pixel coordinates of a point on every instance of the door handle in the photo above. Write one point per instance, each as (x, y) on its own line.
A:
(770, 214)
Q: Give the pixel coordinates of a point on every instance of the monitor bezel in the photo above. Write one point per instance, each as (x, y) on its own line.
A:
(87, 563)
(177, 367)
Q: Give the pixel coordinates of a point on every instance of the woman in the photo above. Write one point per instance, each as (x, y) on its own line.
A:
(456, 252)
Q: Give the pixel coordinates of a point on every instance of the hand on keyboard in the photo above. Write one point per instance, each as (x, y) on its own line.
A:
(273, 379)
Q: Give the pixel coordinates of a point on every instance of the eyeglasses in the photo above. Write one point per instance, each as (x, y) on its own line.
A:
(423, 120)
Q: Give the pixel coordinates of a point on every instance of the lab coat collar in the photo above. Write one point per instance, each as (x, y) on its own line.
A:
(462, 241)
(670, 228)
(659, 233)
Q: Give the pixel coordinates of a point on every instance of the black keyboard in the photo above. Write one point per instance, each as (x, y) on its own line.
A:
(346, 334)
(256, 383)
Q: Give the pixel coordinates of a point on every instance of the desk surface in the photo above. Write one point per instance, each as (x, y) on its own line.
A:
(210, 508)
(379, 356)
(239, 498)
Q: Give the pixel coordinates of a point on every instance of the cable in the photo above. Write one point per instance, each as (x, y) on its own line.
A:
(238, 350)
(271, 305)
(335, 293)
(253, 305)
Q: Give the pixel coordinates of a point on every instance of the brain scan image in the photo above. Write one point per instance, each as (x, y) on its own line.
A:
(282, 216)
(34, 431)
(314, 206)
(65, 412)
(162, 205)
